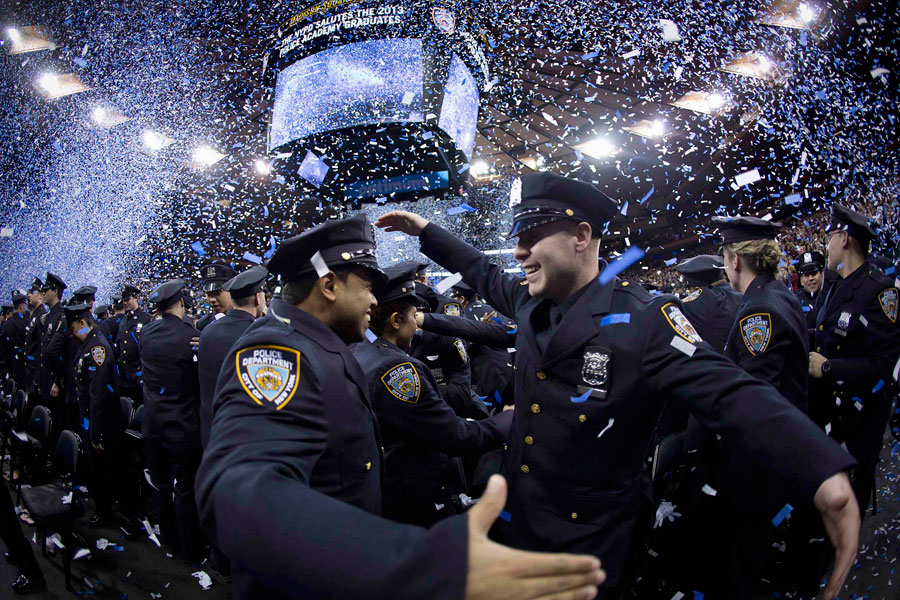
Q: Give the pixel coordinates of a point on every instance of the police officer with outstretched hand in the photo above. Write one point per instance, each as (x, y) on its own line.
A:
(595, 356)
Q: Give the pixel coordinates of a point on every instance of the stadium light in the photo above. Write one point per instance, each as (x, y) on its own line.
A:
(262, 167)
(14, 35)
(99, 115)
(204, 156)
(479, 169)
(154, 141)
(599, 148)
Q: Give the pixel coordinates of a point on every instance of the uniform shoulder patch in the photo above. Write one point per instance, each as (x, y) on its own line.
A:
(680, 323)
(452, 309)
(461, 348)
(269, 374)
(756, 330)
(888, 301)
(98, 353)
(402, 381)
(693, 296)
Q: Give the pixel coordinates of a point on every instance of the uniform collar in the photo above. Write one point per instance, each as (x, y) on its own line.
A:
(240, 314)
(380, 341)
(756, 286)
(303, 322)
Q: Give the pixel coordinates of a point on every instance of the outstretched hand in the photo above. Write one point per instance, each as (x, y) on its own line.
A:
(400, 220)
(501, 573)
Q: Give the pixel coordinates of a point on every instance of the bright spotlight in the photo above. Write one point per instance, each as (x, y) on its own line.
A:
(806, 13)
(262, 166)
(599, 148)
(206, 156)
(153, 140)
(658, 128)
(99, 115)
(49, 82)
(479, 169)
(765, 65)
(715, 100)
(14, 34)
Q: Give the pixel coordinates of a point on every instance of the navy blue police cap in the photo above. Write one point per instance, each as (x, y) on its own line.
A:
(420, 267)
(129, 291)
(74, 312)
(811, 262)
(18, 296)
(187, 299)
(702, 270)
(547, 197)
(215, 275)
(249, 283)
(54, 282)
(846, 219)
(400, 284)
(167, 294)
(461, 289)
(744, 229)
(7, 307)
(348, 242)
(36, 285)
(100, 309)
(84, 294)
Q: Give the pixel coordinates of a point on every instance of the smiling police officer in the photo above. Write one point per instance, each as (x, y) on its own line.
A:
(595, 358)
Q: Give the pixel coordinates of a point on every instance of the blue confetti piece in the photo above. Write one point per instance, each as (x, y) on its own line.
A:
(648, 194)
(110, 388)
(624, 210)
(198, 248)
(615, 318)
(793, 199)
(92, 368)
(878, 385)
(631, 256)
(589, 55)
(782, 515)
(698, 595)
(806, 309)
(581, 398)
(505, 516)
(85, 424)
(371, 336)
(896, 449)
(889, 270)
(671, 262)
(250, 257)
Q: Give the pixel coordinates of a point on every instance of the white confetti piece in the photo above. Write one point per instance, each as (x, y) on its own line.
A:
(669, 31)
(445, 284)
(605, 429)
(747, 177)
(203, 579)
(6, 232)
(709, 491)
(318, 264)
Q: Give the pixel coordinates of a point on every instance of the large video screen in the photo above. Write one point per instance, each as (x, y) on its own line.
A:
(459, 110)
(364, 83)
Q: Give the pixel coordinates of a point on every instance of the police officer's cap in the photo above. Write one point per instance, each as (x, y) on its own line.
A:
(547, 197)
(128, 291)
(167, 294)
(421, 267)
(36, 285)
(702, 270)
(349, 242)
(811, 262)
(7, 307)
(461, 289)
(857, 225)
(101, 309)
(743, 229)
(215, 275)
(428, 297)
(400, 284)
(249, 283)
(84, 293)
(54, 282)
(116, 298)
(18, 296)
(77, 311)
(187, 299)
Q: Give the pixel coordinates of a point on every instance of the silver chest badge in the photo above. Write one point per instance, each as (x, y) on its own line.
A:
(595, 371)
(844, 320)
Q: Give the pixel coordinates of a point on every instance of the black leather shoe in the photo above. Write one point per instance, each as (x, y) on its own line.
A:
(27, 583)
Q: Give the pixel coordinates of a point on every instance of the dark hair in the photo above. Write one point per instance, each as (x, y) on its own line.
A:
(381, 313)
(298, 289)
(245, 302)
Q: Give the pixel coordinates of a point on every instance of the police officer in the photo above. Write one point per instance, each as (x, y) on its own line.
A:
(101, 313)
(87, 294)
(171, 426)
(112, 322)
(14, 335)
(33, 330)
(595, 355)
(813, 285)
(248, 293)
(128, 345)
(419, 428)
(769, 341)
(95, 380)
(856, 348)
(50, 374)
(214, 275)
(446, 357)
(294, 448)
(712, 308)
